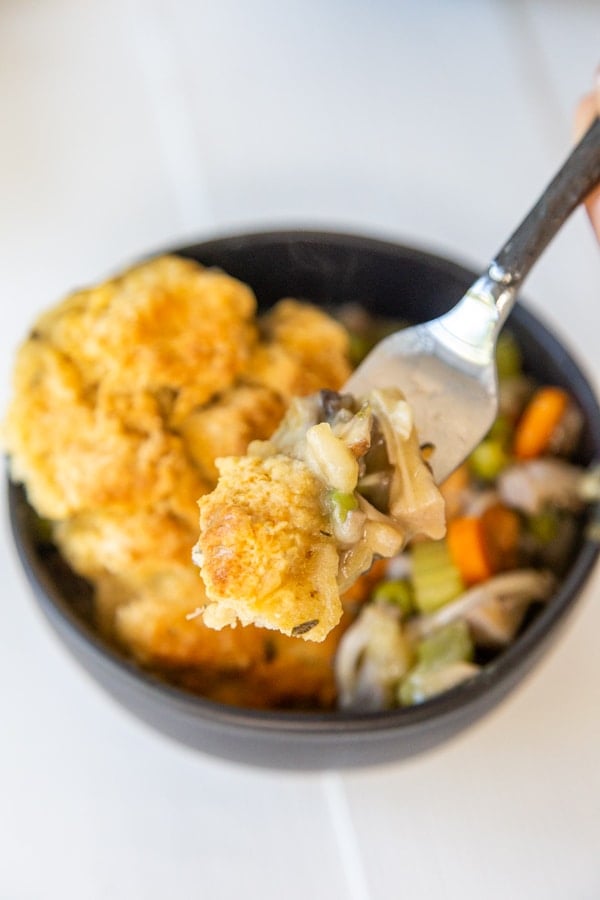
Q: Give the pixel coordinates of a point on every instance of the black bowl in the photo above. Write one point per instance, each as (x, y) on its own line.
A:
(394, 281)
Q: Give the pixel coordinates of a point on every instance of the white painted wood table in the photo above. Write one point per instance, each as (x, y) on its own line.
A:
(127, 126)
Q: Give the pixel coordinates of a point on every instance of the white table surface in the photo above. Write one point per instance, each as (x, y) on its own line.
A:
(130, 125)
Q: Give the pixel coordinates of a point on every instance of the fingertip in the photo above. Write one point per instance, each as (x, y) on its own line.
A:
(585, 113)
(592, 205)
(588, 108)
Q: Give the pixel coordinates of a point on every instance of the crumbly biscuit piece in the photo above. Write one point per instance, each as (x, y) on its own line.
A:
(270, 559)
(226, 427)
(302, 350)
(106, 376)
(169, 323)
(77, 454)
(134, 545)
(244, 666)
(123, 395)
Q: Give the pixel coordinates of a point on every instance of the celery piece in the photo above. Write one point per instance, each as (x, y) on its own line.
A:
(508, 356)
(423, 682)
(358, 347)
(343, 503)
(436, 580)
(435, 589)
(501, 431)
(488, 459)
(544, 526)
(444, 659)
(450, 643)
(398, 593)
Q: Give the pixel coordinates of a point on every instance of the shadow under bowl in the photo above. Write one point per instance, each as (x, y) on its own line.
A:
(390, 280)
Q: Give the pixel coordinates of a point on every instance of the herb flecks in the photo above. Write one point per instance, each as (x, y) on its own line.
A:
(304, 627)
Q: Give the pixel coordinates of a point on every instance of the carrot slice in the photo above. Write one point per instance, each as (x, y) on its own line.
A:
(501, 528)
(467, 544)
(539, 421)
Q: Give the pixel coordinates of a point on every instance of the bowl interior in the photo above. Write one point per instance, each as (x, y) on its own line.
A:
(328, 269)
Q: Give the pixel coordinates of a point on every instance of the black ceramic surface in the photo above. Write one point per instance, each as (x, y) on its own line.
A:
(394, 281)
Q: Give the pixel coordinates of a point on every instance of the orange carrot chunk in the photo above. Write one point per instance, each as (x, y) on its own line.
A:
(539, 421)
(467, 544)
(501, 528)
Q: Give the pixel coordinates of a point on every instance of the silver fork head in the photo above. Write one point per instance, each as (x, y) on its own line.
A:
(446, 369)
(454, 405)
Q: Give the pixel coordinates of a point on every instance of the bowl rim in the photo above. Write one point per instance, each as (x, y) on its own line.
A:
(492, 676)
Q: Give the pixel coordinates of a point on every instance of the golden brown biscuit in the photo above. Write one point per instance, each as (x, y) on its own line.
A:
(269, 558)
(106, 376)
(243, 666)
(166, 324)
(226, 426)
(302, 350)
(123, 396)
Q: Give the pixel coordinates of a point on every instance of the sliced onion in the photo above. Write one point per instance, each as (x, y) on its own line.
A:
(371, 658)
(431, 682)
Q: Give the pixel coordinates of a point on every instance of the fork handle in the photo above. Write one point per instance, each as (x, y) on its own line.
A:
(569, 187)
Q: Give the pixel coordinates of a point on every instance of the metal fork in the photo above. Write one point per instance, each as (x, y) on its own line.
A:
(446, 367)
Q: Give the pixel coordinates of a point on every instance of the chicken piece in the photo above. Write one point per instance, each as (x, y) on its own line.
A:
(267, 555)
(535, 484)
(302, 350)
